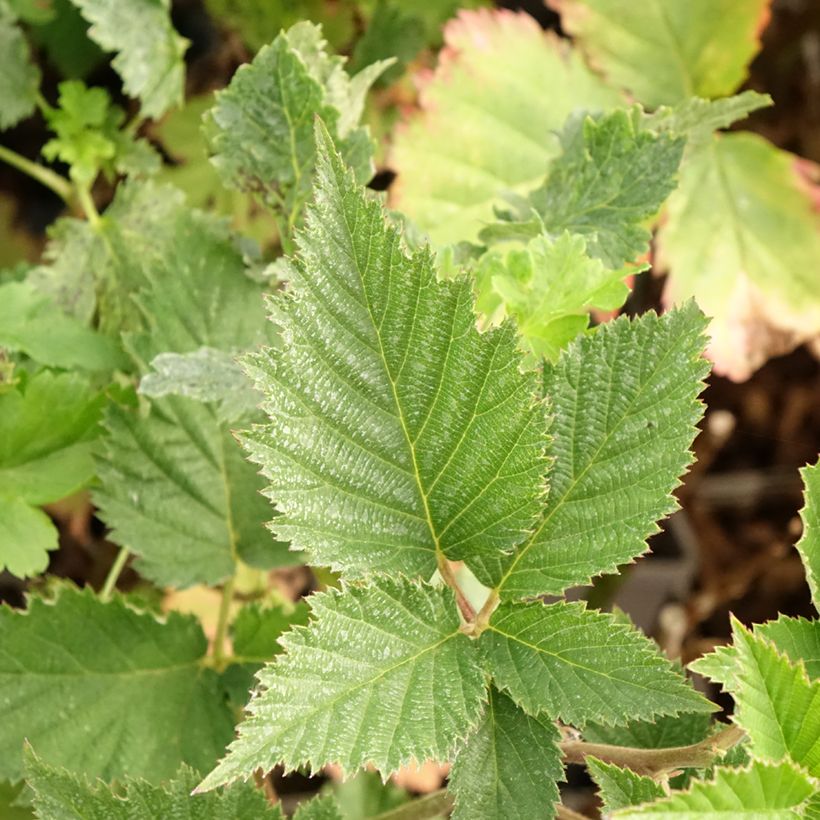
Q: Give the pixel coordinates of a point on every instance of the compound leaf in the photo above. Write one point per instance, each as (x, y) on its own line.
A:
(397, 432)
(698, 48)
(777, 792)
(488, 120)
(619, 787)
(580, 665)
(149, 51)
(741, 237)
(809, 544)
(61, 795)
(105, 690)
(617, 458)
(381, 675)
(508, 767)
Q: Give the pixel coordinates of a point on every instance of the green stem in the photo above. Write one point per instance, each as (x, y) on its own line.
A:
(45, 176)
(88, 206)
(655, 762)
(220, 659)
(114, 574)
(431, 805)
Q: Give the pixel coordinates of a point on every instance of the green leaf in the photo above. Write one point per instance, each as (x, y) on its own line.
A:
(508, 766)
(46, 455)
(545, 655)
(175, 486)
(486, 125)
(741, 237)
(19, 77)
(279, 95)
(777, 792)
(31, 323)
(611, 176)
(105, 690)
(26, 537)
(382, 675)
(149, 51)
(397, 432)
(660, 733)
(664, 52)
(619, 788)
(548, 286)
(776, 703)
(611, 480)
(364, 795)
(324, 807)
(61, 795)
(809, 544)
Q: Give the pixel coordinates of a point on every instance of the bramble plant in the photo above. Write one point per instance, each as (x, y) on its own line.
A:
(414, 404)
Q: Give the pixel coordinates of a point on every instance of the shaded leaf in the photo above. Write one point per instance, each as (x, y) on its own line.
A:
(619, 788)
(809, 544)
(26, 537)
(19, 77)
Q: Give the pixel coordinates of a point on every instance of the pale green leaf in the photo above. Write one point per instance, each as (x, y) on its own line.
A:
(207, 375)
(809, 544)
(26, 537)
(46, 427)
(718, 665)
(662, 51)
(105, 690)
(175, 486)
(365, 795)
(776, 703)
(774, 792)
(279, 95)
(19, 77)
(508, 767)
(619, 788)
(742, 237)
(611, 176)
(149, 51)
(617, 457)
(397, 431)
(547, 287)
(581, 665)
(381, 675)
(61, 795)
(488, 120)
(31, 323)
(324, 807)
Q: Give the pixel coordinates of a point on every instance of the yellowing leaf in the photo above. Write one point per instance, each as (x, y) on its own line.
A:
(741, 236)
(488, 119)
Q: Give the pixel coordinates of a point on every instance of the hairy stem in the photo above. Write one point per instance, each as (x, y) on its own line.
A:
(431, 805)
(113, 574)
(222, 624)
(45, 176)
(449, 578)
(655, 762)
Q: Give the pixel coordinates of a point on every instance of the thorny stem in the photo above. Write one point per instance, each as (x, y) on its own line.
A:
(449, 578)
(114, 574)
(222, 623)
(45, 176)
(431, 805)
(655, 762)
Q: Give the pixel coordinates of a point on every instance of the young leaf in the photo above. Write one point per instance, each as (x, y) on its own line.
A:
(397, 432)
(27, 535)
(548, 286)
(61, 795)
(622, 453)
(381, 675)
(544, 655)
(777, 705)
(619, 788)
(279, 96)
(700, 48)
(19, 77)
(105, 690)
(508, 767)
(741, 237)
(149, 51)
(809, 544)
(487, 125)
(777, 792)
(611, 176)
